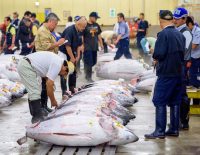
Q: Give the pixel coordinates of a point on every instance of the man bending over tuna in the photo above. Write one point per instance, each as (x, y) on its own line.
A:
(41, 65)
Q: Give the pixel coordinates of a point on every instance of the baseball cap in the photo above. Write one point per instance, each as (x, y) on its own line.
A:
(166, 15)
(76, 18)
(94, 14)
(180, 13)
(70, 66)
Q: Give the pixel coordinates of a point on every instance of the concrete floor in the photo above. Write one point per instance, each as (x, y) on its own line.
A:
(14, 118)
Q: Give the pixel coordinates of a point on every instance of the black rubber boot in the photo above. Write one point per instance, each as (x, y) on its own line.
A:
(161, 120)
(44, 98)
(184, 115)
(88, 73)
(174, 121)
(36, 111)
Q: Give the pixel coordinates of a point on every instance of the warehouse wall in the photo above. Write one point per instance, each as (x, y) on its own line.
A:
(130, 8)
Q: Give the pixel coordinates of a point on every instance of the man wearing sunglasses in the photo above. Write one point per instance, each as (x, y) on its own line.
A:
(180, 16)
(42, 65)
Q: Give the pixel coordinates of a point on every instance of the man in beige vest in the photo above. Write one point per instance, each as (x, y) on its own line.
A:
(45, 41)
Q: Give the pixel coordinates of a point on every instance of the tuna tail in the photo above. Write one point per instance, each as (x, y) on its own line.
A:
(22, 140)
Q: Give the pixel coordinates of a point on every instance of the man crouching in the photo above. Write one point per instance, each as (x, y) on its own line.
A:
(41, 65)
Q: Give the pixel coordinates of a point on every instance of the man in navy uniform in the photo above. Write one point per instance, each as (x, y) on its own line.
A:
(180, 15)
(169, 58)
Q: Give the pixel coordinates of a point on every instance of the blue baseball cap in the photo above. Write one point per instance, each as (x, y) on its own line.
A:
(76, 18)
(180, 13)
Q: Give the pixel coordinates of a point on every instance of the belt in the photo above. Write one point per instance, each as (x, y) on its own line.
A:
(27, 59)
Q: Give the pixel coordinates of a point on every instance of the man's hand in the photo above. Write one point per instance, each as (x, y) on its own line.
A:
(54, 104)
(11, 47)
(73, 60)
(155, 62)
(77, 59)
(81, 48)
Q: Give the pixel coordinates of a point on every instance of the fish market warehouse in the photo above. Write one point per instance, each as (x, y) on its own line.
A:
(99, 77)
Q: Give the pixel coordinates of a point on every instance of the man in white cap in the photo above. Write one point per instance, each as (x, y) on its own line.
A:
(180, 16)
(43, 65)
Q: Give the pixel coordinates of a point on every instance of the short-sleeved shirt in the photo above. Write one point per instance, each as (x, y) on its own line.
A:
(144, 25)
(74, 40)
(196, 40)
(12, 30)
(90, 34)
(123, 30)
(44, 40)
(46, 64)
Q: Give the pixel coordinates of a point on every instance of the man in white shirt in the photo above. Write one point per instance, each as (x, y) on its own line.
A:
(195, 55)
(43, 65)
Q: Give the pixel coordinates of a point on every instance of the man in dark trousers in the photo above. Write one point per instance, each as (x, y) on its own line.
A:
(180, 16)
(91, 37)
(72, 49)
(142, 32)
(169, 58)
(122, 40)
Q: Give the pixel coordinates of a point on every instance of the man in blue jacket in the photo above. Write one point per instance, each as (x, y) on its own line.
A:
(169, 58)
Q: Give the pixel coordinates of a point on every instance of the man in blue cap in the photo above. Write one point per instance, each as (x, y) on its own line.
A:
(180, 15)
(91, 37)
(169, 57)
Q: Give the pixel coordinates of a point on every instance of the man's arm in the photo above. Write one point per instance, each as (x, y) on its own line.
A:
(42, 39)
(13, 42)
(100, 41)
(118, 38)
(160, 47)
(70, 53)
(50, 92)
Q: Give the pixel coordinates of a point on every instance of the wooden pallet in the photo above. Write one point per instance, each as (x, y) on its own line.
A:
(45, 149)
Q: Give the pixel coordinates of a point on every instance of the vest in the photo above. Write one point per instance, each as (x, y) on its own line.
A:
(9, 36)
(187, 54)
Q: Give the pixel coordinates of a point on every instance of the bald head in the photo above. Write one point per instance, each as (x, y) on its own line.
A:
(81, 24)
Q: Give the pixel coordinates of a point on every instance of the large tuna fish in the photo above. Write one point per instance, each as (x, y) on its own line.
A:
(87, 118)
(73, 130)
(146, 85)
(123, 68)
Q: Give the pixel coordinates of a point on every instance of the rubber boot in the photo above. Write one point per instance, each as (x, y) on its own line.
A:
(88, 73)
(174, 121)
(44, 98)
(184, 115)
(161, 120)
(45, 108)
(36, 111)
